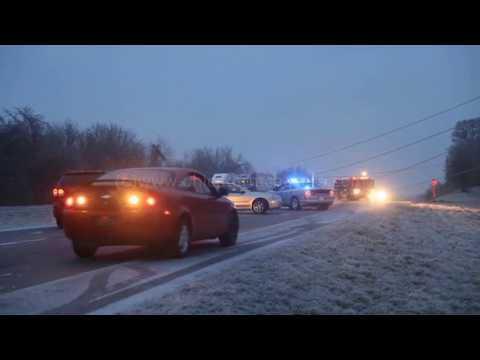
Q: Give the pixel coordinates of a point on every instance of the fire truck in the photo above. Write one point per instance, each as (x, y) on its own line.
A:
(354, 187)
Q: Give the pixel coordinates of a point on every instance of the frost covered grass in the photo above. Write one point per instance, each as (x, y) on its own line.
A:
(469, 199)
(17, 217)
(396, 259)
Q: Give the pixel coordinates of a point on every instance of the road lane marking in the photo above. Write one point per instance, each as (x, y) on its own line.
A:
(71, 294)
(21, 242)
(6, 275)
(183, 277)
(195, 261)
(44, 297)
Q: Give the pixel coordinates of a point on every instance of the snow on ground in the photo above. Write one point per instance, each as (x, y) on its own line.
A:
(397, 259)
(21, 217)
(471, 199)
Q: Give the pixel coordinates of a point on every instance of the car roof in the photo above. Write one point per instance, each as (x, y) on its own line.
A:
(177, 170)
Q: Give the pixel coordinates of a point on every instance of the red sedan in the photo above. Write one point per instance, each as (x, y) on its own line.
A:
(164, 208)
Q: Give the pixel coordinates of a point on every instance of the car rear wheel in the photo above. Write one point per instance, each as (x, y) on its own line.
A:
(259, 206)
(230, 238)
(323, 206)
(295, 204)
(180, 245)
(83, 250)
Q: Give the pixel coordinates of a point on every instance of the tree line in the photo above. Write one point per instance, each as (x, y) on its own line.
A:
(34, 153)
(462, 166)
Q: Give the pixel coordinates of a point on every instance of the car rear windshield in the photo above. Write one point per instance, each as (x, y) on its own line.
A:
(147, 176)
(77, 179)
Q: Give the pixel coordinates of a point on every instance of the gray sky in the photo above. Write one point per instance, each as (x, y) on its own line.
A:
(274, 104)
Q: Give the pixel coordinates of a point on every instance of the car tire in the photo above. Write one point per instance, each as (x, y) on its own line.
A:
(180, 245)
(323, 207)
(295, 204)
(59, 223)
(230, 238)
(259, 206)
(83, 250)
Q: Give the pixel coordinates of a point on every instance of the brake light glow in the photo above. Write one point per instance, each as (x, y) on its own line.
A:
(61, 192)
(308, 193)
(55, 192)
(151, 201)
(81, 200)
(133, 200)
(69, 202)
(332, 193)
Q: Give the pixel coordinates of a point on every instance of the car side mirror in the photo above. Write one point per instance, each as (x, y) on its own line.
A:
(223, 191)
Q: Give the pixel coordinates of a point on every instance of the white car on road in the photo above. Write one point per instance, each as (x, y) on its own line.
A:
(223, 178)
(258, 202)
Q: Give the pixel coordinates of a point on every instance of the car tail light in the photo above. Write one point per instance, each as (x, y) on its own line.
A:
(136, 200)
(81, 200)
(78, 201)
(133, 200)
(332, 193)
(58, 192)
(69, 201)
(308, 193)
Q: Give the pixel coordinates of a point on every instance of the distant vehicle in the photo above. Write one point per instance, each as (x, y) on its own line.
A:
(68, 183)
(256, 181)
(163, 208)
(223, 178)
(354, 187)
(257, 202)
(262, 182)
(243, 180)
(297, 195)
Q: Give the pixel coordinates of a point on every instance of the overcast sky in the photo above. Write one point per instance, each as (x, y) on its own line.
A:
(273, 104)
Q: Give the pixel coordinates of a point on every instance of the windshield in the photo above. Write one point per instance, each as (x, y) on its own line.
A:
(77, 179)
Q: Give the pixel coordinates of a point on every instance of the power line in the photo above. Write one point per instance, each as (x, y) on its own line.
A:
(390, 131)
(387, 152)
(384, 174)
(396, 171)
(452, 175)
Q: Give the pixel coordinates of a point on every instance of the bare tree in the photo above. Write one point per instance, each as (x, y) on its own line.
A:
(218, 160)
(109, 147)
